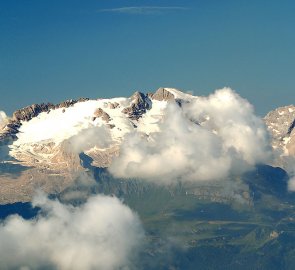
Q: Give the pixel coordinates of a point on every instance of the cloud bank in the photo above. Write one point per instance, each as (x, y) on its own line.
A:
(208, 138)
(144, 10)
(101, 234)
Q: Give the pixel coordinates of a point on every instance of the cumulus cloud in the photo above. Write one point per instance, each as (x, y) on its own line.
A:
(3, 119)
(205, 139)
(288, 163)
(90, 137)
(101, 234)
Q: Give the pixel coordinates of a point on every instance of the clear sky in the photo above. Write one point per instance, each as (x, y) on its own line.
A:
(52, 50)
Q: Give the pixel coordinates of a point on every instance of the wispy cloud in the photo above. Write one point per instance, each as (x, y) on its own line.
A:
(144, 10)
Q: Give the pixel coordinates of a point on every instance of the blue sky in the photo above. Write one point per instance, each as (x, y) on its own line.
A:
(52, 50)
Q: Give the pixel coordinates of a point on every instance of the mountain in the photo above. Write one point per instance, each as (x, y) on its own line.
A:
(38, 141)
(48, 146)
(241, 217)
(38, 130)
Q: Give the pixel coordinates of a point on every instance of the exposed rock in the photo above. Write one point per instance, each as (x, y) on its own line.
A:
(51, 174)
(23, 188)
(111, 126)
(70, 102)
(274, 234)
(114, 105)
(162, 94)
(100, 113)
(10, 130)
(27, 113)
(139, 105)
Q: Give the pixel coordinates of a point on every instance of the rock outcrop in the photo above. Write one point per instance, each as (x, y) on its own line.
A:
(27, 113)
(139, 105)
(100, 113)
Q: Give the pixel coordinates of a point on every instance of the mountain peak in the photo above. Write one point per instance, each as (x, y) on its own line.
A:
(163, 94)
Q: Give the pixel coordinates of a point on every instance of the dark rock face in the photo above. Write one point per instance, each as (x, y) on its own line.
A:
(29, 112)
(162, 94)
(140, 104)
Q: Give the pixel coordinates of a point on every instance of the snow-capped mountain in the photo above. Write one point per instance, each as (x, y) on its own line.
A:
(46, 139)
(41, 133)
(164, 137)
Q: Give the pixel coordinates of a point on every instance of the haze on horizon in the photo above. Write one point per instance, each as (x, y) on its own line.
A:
(52, 50)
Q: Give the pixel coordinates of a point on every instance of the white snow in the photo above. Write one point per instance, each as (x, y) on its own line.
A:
(63, 123)
(180, 95)
(58, 125)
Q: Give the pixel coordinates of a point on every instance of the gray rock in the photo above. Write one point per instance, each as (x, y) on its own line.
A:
(162, 94)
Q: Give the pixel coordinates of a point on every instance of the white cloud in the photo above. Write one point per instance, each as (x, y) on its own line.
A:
(101, 234)
(3, 119)
(288, 163)
(90, 137)
(144, 10)
(228, 139)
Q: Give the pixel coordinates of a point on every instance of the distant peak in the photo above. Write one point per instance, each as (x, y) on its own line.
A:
(162, 94)
(170, 94)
